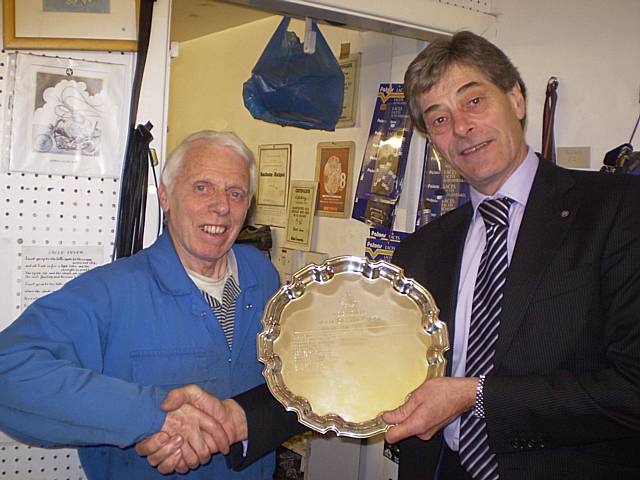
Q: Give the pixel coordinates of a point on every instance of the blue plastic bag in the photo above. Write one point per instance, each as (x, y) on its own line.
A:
(291, 88)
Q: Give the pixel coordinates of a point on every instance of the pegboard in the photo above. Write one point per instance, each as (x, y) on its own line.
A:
(482, 6)
(51, 210)
(22, 462)
(48, 210)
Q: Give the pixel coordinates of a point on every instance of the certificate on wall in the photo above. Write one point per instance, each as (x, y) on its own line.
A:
(274, 162)
(350, 67)
(301, 205)
(333, 174)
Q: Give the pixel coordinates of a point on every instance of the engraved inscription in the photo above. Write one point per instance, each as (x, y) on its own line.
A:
(320, 348)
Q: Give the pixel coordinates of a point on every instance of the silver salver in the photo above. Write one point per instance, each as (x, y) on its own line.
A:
(347, 340)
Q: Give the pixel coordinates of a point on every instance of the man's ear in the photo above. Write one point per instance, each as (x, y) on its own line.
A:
(517, 101)
(164, 198)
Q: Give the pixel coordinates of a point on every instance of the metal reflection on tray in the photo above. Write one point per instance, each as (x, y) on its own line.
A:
(347, 340)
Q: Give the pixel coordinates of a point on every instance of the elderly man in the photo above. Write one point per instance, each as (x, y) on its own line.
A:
(538, 280)
(90, 365)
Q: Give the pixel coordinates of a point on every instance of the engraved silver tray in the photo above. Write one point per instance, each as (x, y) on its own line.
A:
(344, 341)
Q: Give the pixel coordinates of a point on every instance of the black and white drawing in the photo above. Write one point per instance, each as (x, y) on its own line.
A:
(68, 115)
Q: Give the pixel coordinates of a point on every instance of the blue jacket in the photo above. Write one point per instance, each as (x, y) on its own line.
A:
(90, 364)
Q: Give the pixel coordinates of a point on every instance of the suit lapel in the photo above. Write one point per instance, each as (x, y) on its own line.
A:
(549, 212)
(445, 270)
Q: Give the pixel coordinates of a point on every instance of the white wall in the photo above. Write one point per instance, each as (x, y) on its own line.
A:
(593, 47)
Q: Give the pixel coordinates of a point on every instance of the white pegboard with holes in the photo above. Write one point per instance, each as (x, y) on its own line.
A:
(482, 6)
(22, 462)
(47, 210)
(50, 210)
(30, 215)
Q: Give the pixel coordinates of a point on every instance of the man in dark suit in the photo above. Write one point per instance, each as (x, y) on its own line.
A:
(538, 279)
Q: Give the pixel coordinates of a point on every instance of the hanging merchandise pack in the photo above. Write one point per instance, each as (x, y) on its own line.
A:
(385, 159)
(289, 87)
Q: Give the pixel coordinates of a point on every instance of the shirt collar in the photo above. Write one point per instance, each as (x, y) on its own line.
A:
(517, 186)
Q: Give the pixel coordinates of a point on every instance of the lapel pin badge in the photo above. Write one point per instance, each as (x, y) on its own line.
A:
(564, 213)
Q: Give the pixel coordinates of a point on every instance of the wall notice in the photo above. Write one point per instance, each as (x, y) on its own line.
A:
(46, 269)
(301, 208)
(274, 162)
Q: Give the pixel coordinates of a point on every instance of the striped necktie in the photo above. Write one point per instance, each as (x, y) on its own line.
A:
(475, 456)
(225, 312)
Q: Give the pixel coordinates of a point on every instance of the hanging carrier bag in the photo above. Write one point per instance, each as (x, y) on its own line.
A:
(291, 88)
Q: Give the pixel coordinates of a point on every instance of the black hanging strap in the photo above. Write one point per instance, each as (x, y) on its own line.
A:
(144, 33)
(133, 189)
(548, 140)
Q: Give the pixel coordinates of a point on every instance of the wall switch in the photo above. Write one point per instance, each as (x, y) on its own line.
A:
(574, 157)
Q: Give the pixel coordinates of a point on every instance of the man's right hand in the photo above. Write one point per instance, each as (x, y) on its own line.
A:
(201, 433)
(430, 408)
(225, 423)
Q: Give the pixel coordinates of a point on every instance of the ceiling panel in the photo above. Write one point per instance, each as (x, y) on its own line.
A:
(195, 18)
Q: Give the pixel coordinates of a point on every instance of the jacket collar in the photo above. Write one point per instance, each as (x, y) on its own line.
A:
(167, 268)
(173, 278)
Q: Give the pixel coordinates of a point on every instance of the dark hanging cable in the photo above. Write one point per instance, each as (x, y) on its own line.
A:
(633, 134)
(135, 172)
(133, 194)
(548, 139)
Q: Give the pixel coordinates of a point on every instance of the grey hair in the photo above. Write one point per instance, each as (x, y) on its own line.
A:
(223, 139)
(463, 49)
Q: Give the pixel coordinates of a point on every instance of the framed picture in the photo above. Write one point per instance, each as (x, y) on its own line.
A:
(68, 114)
(333, 174)
(71, 24)
(274, 165)
(302, 199)
(350, 67)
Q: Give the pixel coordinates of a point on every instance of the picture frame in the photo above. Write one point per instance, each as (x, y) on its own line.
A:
(334, 177)
(350, 67)
(274, 167)
(300, 209)
(67, 115)
(64, 26)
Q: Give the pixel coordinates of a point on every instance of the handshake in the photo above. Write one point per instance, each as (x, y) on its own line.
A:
(197, 426)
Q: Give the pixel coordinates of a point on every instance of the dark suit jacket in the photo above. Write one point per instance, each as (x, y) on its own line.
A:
(563, 401)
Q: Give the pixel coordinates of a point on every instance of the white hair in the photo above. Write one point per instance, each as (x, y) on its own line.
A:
(223, 139)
